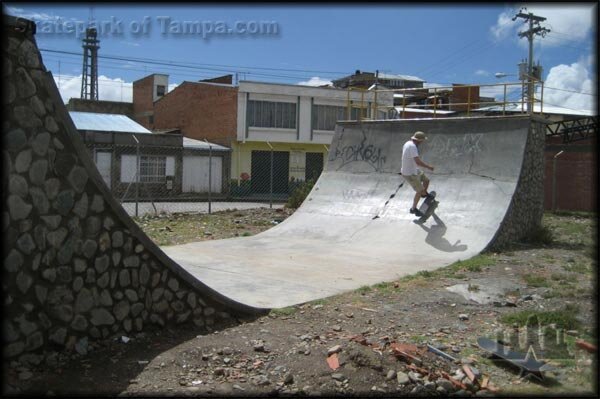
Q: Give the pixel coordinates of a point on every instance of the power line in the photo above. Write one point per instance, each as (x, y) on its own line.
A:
(188, 64)
(172, 64)
(480, 43)
(570, 91)
(562, 106)
(574, 38)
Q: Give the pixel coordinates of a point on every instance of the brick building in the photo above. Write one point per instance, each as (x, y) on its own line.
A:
(285, 125)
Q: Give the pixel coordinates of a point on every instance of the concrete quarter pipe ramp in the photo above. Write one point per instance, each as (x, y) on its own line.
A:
(76, 267)
(354, 228)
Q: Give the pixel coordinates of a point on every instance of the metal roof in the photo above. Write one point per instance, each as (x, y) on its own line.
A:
(547, 109)
(399, 77)
(106, 122)
(202, 145)
(424, 111)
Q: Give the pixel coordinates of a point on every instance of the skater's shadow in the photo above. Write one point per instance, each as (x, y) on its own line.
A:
(435, 237)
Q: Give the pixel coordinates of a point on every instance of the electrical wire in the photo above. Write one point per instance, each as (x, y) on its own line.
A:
(570, 91)
(192, 65)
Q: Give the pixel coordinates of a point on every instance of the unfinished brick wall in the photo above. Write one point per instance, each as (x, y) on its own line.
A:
(200, 111)
(143, 103)
(575, 182)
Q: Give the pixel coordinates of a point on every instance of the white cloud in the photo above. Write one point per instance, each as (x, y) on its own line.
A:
(567, 22)
(566, 84)
(504, 26)
(315, 81)
(481, 72)
(428, 85)
(497, 92)
(34, 16)
(108, 89)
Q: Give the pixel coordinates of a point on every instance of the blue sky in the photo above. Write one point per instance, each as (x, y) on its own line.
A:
(441, 44)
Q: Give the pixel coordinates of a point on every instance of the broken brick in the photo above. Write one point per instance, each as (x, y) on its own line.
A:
(333, 361)
(469, 373)
(591, 348)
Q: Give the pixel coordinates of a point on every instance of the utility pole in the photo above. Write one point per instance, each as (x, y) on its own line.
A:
(374, 108)
(534, 29)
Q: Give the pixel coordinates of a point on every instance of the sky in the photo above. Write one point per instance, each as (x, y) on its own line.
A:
(310, 44)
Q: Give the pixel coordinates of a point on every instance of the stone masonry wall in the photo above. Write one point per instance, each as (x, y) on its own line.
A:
(524, 215)
(76, 267)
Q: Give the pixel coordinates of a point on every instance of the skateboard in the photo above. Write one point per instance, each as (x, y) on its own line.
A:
(527, 363)
(428, 207)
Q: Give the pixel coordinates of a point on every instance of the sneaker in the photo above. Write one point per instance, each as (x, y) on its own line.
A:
(416, 212)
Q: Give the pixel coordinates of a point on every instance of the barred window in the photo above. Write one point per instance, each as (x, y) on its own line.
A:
(152, 169)
(271, 114)
(324, 117)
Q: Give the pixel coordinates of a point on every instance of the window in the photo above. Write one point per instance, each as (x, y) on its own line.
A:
(324, 117)
(160, 90)
(153, 168)
(271, 114)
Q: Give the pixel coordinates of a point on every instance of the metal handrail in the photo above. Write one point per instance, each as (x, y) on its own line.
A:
(470, 105)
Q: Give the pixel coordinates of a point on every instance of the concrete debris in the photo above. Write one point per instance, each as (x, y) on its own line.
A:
(390, 375)
(334, 349)
(402, 378)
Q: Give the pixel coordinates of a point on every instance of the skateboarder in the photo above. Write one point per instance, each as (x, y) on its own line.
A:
(410, 171)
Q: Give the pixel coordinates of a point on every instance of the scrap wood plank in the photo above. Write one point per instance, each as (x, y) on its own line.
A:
(406, 351)
(419, 369)
(410, 358)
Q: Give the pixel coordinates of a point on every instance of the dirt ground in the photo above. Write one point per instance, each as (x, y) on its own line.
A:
(369, 342)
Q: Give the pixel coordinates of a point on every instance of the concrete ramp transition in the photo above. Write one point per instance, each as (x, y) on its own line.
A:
(354, 228)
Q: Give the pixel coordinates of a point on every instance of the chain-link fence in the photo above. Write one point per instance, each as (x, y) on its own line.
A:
(272, 172)
(154, 179)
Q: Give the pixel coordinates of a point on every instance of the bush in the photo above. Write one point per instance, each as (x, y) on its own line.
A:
(299, 194)
(241, 189)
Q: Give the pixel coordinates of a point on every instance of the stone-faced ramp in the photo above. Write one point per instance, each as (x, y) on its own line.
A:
(76, 267)
(354, 228)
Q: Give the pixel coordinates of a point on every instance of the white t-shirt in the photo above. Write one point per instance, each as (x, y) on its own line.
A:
(409, 152)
